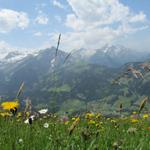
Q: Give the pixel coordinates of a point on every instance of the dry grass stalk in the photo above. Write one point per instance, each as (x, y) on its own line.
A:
(58, 45)
(20, 90)
(143, 103)
(28, 107)
(73, 126)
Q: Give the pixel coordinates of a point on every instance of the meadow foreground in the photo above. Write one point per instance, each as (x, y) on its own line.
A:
(90, 131)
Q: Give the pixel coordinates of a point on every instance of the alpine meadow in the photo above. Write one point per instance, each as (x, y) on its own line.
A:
(74, 75)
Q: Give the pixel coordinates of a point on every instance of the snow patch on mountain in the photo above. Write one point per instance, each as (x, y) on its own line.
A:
(108, 49)
(15, 56)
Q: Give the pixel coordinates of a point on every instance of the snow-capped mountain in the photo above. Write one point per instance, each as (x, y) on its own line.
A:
(15, 56)
(83, 53)
(110, 55)
(115, 50)
(13, 61)
(28, 67)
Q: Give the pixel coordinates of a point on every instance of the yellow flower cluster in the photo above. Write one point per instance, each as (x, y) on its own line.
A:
(89, 115)
(5, 114)
(98, 115)
(94, 119)
(10, 105)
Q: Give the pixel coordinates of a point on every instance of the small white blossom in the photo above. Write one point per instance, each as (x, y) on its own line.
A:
(20, 140)
(43, 111)
(32, 117)
(46, 125)
(26, 121)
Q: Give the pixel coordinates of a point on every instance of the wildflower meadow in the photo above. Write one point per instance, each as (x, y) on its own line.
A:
(42, 130)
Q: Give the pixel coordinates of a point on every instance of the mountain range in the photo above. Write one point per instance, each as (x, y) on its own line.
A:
(75, 81)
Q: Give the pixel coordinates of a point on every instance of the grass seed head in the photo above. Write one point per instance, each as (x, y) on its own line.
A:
(143, 103)
(73, 126)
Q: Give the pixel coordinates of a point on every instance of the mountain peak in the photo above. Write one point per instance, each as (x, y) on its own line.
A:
(114, 49)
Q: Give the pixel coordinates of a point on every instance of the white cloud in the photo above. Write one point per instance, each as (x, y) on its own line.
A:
(75, 23)
(96, 22)
(4, 46)
(56, 3)
(10, 19)
(38, 34)
(141, 17)
(42, 19)
(90, 39)
(99, 12)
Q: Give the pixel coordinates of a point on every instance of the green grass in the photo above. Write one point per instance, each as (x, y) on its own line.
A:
(109, 135)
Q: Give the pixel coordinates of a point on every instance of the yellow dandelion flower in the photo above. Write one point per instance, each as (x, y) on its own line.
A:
(145, 116)
(98, 115)
(77, 119)
(134, 112)
(67, 122)
(101, 123)
(89, 115)
(134, 121)
(113, 121)
(91, 122)
(73, 119)
(10, 105)
(98, 124)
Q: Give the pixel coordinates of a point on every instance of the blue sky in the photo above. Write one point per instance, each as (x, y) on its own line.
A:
(35, 24)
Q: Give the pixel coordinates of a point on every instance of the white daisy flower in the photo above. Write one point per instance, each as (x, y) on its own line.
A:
(20, 140)
(46, 125)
